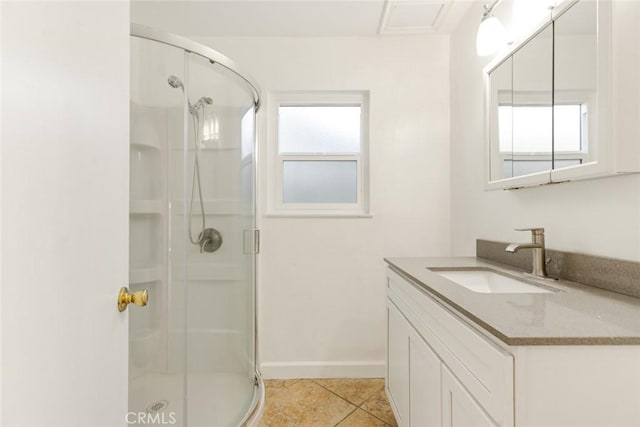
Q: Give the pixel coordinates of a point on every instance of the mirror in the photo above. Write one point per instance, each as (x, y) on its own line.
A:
(558, 104)
(520, 110)
(532, 105)
(542, 102)
(500, 134)
(575, 86)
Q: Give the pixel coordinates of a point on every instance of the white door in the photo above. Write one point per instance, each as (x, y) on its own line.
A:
(65, 131)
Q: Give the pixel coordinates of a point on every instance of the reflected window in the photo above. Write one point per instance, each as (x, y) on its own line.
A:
(247, 133)
(521, 153)
(569, 128)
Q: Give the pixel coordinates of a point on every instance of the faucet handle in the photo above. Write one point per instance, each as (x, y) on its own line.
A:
(537, 234)
(533, 230)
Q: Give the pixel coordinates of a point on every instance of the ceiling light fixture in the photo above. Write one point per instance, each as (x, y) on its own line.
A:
(491, 35)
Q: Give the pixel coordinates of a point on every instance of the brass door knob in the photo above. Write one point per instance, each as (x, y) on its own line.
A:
(125, 298)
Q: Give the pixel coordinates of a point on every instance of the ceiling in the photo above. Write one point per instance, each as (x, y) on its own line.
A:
(302, 18)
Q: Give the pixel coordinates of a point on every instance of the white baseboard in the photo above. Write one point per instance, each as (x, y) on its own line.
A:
(344, 369)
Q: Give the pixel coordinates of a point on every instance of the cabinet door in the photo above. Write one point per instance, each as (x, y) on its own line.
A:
(398, 363)
(459, 409)
(425, 398)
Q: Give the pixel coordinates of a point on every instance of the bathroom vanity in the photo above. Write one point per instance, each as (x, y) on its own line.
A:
(556, 353)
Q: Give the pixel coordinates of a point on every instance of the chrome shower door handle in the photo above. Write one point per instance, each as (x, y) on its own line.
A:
(251, 241)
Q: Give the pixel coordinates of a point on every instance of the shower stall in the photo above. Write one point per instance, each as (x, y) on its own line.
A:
(193, 239)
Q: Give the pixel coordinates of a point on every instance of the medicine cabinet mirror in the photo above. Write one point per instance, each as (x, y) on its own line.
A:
(521, 110)
(547, 102)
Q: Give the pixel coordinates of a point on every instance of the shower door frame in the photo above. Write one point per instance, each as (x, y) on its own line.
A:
(142, 31)
(215, 57)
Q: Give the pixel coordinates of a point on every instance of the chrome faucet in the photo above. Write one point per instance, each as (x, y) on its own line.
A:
(537, 245)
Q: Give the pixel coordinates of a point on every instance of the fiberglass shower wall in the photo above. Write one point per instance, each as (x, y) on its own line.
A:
(192, 353)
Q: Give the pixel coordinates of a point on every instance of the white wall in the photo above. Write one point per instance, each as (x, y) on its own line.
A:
(599, 217)
(322, 283)
(65, 96)
(1, 206)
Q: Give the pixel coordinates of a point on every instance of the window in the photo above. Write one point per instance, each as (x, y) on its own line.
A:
(318, 147)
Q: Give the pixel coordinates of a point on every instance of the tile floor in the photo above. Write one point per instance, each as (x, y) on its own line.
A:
(327, 403)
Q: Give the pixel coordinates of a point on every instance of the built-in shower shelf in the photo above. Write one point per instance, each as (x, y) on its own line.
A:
(147, 125)
(145, 275)
(145, 207)
(140, 145)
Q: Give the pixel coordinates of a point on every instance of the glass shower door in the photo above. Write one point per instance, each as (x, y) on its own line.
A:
(220, 351)
(192, 349)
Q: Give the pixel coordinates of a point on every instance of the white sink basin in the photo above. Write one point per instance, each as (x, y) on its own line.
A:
(488, 281)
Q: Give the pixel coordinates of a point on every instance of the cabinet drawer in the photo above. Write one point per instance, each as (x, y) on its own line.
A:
(481, 366)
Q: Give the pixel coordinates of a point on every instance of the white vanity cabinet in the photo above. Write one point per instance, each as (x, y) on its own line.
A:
(397, 380)
(445, 370)
(459, 408)
(410, 356)
(441, 353)
(425, 405)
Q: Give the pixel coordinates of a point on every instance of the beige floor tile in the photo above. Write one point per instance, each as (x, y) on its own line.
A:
(355, 391)
(304, 403)
(360, 418)
(279, 383)
(378, 405)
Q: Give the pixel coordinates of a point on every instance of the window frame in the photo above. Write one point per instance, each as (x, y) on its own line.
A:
(276, 205)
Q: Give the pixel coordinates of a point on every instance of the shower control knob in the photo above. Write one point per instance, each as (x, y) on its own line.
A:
(210, 240)
(139, 298)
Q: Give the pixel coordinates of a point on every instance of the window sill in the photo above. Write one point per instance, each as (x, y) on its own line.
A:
(317, 214)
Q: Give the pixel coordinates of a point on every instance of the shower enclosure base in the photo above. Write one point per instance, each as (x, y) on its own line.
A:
(208, 398)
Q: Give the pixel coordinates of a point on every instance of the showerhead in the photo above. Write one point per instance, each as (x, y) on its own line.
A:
(207, 100)
(202, 101)
(175, 82)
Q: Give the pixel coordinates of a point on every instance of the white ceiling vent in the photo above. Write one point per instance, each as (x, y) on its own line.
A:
(413, 16)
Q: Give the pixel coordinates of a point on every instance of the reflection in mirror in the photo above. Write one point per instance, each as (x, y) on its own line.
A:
(575, 65)
(532, 106)
(500, 133)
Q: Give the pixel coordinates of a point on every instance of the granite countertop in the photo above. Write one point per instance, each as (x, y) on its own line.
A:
(574, 315)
